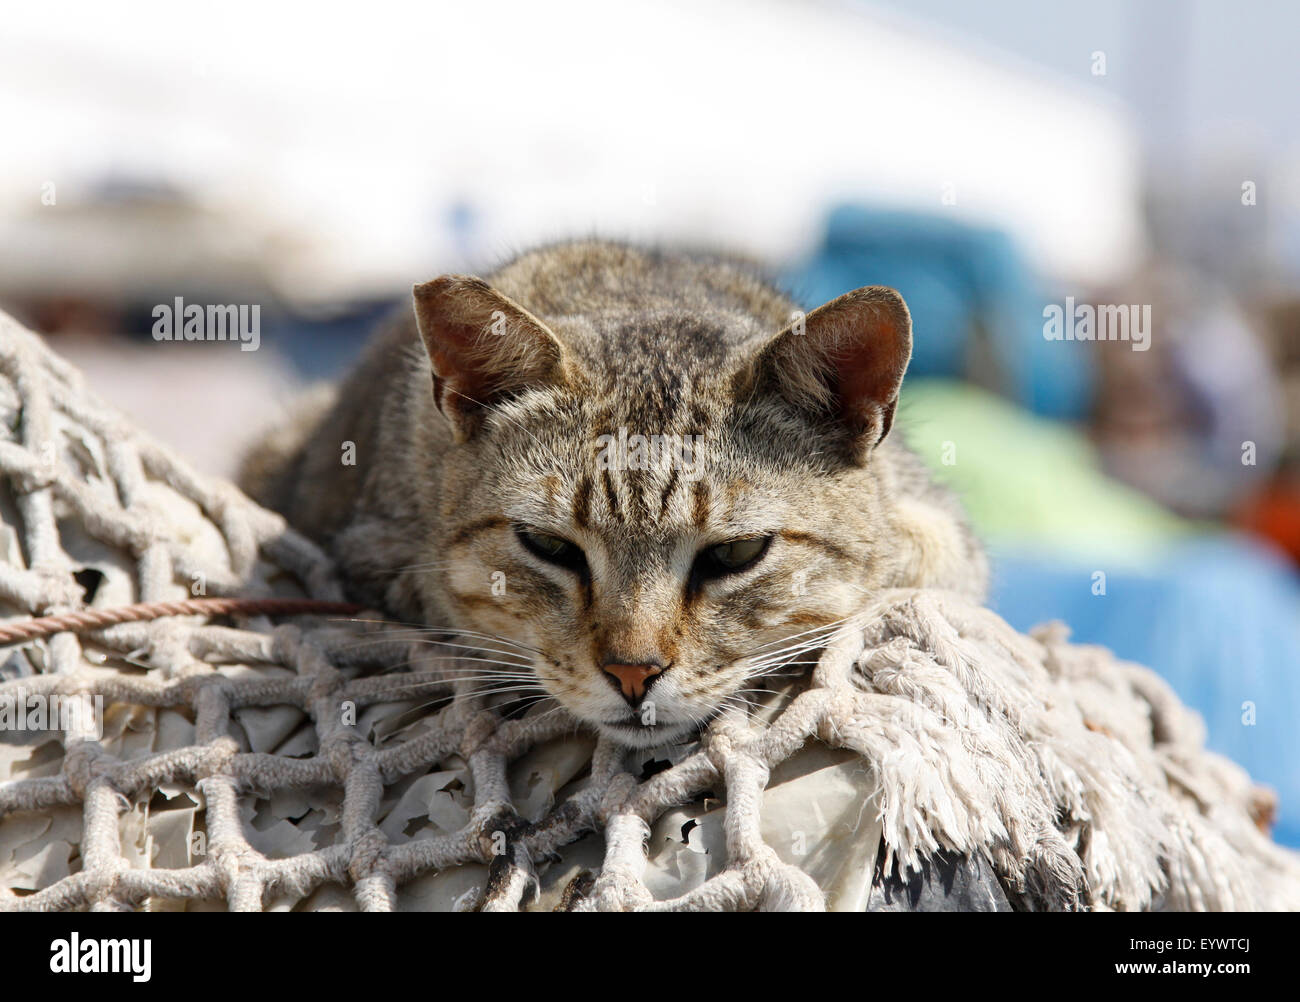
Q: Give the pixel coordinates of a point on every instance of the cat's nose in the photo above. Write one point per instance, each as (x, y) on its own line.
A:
(633, 680)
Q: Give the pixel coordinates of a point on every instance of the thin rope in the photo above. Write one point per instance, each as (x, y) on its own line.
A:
(96, 619)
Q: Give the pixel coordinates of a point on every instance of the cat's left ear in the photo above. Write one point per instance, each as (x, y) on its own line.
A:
(843, 363)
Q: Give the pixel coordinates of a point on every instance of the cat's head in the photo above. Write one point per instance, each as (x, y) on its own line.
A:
(657, 506)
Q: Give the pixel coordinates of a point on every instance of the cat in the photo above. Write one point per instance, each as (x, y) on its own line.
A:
(643, 470)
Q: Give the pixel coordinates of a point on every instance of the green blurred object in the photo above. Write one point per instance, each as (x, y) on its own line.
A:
(1032, 483)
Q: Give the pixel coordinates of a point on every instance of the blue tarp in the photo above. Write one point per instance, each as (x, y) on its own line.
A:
(1219, 620)
(962, 284)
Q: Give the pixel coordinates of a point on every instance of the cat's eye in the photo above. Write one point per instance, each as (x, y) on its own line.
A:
(730, 557)
(552, 549)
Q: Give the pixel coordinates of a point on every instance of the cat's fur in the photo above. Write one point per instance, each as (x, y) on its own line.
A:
(575, 341)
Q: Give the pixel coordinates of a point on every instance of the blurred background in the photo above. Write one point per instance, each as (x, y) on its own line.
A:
(989, 161)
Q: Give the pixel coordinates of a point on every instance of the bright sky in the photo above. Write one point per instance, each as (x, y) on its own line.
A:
(733, 122)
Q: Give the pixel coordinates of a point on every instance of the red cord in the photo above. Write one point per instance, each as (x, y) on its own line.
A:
(94, 619)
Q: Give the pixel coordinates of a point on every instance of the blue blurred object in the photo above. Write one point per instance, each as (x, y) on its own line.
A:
(960, 282)
(1219, 620)
(321, 348)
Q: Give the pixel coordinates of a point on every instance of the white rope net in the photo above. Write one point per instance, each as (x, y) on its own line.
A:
(302, 766)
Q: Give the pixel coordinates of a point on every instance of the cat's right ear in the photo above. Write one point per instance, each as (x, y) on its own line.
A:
(483, 348)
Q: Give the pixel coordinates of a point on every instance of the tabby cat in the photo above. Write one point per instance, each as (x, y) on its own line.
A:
(642, 471)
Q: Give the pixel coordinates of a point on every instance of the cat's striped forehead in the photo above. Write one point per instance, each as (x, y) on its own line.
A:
(660, 370)
(701, 470)
(637, 471)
